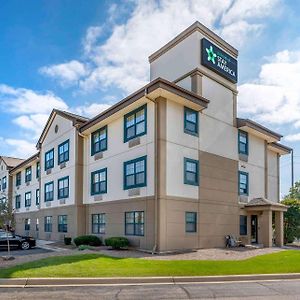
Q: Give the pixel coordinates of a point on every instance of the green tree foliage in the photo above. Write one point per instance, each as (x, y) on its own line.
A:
(292, 216)
(6, 214)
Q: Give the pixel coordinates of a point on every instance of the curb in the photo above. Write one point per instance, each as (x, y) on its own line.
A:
(43, 282)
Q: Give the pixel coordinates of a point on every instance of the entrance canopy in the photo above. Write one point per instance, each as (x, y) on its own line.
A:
(261, 204)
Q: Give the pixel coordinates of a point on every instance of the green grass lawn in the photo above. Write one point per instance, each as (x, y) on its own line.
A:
(94, 265)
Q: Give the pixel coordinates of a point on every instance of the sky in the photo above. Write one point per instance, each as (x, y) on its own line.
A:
(83, 56)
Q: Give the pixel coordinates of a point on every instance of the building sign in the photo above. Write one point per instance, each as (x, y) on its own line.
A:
(218, 61)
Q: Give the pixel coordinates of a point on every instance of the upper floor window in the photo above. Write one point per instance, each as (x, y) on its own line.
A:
(18, 179)
(190, 222)
(99, 182)
(49, 159)
(135, 173)
(243, 225)
(135, 123)
(99, 140)
(48, 224)
(38, 169)
(191, 171)
(243, 183)
(63, 152)
(63, 188)
(49, 188)
(62, 223)
(134, 223)
(4, 183)
(190, 121)
(98, 223)
(28, 174)
(28, 199)
(243, 142)
(37, 197)
(18, 201)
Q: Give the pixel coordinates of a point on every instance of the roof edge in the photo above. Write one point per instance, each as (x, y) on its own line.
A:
(196, 26)
(26, 161)
(150, 87)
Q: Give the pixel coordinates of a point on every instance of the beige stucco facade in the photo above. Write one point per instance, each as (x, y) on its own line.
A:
(179, 82)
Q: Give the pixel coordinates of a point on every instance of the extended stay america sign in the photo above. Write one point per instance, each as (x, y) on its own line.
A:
(218, 61)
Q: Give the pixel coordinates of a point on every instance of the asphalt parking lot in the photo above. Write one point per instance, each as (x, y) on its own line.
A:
(19, 252)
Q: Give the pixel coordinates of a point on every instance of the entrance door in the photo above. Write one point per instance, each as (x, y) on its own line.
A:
(254, 239)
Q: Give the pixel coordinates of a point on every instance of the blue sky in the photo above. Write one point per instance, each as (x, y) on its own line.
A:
(84, 56)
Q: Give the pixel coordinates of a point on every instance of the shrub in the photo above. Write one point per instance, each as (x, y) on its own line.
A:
(84, 247)
(90, 240)
(67, 240)
(117, 242)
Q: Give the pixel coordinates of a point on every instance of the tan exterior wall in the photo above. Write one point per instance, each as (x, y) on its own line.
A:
(115, 219)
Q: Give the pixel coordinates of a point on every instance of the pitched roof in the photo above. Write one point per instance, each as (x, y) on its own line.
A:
(11, 161)
(261, 201)
(281, 149)
(76, 119)
(25, 162)
(158, 83)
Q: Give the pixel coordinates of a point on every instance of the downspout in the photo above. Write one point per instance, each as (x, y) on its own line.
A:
(155, 173)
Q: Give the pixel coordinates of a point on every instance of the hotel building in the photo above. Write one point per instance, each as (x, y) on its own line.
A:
(170, 167)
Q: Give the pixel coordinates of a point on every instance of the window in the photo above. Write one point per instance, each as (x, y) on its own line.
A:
(63, 188)
(243, 225)
(27, 224)
(49, 188)
(134, 223)
(18, 201)
(135, 173)
(49, 159)
(62, 223)
(190, 222)
(243, 142)
(37, 197)
(38, 169)
(190, 121)
(37, 225)
(98, 223)
(4, 183)
(191, 171)
(48, 224)
(99, 182)
(28, 199)
(99, 140)
(28, 174)
(63, 152)
(135, 123)
(0, 185)
(243, 183)
(18, 179)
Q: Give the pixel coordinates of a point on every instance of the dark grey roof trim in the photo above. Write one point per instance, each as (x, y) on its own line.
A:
(25, 162)
(281, 147)
(258, 127)
(150, 87)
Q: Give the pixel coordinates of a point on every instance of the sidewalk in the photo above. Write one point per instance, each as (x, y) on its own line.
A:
(48, 282)
(49, 245)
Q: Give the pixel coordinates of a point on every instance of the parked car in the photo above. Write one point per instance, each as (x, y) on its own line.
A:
(16, 241)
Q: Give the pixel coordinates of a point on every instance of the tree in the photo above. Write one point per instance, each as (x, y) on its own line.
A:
(292, 216)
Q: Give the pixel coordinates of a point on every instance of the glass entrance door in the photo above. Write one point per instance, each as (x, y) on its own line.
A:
(254, 239)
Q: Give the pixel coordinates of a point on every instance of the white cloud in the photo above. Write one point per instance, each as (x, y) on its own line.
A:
(33, 123)
(121, 60)
(67, 73)
(274, 97)
(293, 137)
(20, 100)
(90, 110)
(20, 148)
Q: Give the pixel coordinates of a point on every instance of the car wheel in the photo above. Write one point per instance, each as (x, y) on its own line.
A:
(25, 246)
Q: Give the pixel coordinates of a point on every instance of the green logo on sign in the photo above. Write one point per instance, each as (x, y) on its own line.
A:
(211, 55)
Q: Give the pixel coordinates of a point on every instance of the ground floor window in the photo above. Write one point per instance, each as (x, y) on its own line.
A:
(62, 223)
(243, 225)
(27, 224)
(37, 225)
(134, 223)
(190, 222)
(98, 223)
(48, 224)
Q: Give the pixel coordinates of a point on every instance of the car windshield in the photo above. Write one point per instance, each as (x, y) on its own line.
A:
(4, 234)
